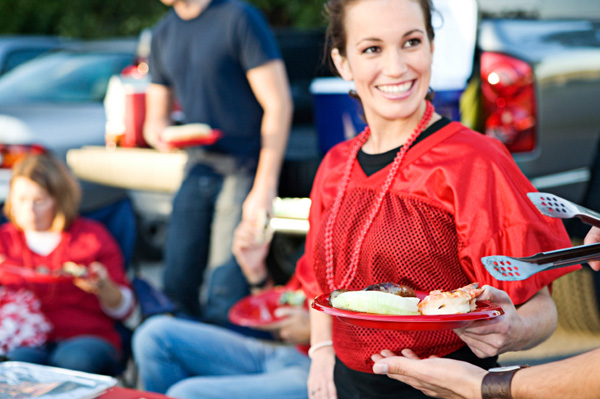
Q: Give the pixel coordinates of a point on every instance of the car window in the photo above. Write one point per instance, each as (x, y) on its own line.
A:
(62, 77)
(17, 57)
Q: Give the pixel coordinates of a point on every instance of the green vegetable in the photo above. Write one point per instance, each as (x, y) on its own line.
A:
(293, 298)
(376, 302)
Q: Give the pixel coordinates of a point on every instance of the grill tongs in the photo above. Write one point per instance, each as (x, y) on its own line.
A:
(505, 268)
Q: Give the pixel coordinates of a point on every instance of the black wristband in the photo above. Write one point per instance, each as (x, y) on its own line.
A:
(496, 383)
(262, 283)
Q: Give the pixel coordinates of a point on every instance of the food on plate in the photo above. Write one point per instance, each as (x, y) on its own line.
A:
(292, 298)
(385, 298)
(397, 299)
(191, 131)
(461, 300)
(74, 269)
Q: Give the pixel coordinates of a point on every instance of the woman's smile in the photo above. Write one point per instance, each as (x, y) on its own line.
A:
(397, 89)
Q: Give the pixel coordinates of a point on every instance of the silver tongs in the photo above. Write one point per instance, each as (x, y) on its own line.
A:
(505, 268)
(556, 207)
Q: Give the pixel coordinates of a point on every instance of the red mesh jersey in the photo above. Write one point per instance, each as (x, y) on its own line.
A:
(458, 196)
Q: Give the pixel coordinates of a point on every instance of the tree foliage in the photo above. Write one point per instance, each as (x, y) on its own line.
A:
(106, 18)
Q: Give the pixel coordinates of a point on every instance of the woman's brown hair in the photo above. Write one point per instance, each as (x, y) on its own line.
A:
(54, 177)
(335, 10)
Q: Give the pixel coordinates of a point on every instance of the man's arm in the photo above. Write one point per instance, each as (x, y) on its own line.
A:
(575, 377)
(270, 85)
(159, 105)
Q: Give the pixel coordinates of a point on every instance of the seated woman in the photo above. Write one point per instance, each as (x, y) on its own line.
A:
(43, 235)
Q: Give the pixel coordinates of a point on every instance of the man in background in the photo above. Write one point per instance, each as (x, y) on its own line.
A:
(219, 59)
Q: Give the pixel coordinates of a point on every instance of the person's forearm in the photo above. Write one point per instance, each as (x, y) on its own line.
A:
(270, 86)
(539, 319)
(159, 104)
(109, 294)
(320, 327)
(153, 129)
(574, 377)
(274, 136)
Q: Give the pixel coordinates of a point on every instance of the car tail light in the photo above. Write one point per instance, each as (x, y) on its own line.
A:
(11, 153)
(509, 105)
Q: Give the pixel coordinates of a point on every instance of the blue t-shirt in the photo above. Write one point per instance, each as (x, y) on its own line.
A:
(205, 61)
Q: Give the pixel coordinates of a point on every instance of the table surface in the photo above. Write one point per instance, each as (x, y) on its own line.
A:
(126, 393)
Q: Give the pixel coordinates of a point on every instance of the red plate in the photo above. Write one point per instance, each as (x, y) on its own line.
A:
(257, 310)
(203, 140)
(32, 276)
(485, 310)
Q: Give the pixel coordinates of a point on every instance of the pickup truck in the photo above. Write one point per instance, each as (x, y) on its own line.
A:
(536, 81)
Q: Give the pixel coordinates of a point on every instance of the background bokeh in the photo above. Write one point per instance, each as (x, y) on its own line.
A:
(108, 18)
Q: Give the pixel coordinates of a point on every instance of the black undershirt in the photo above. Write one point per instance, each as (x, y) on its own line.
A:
(373, 163)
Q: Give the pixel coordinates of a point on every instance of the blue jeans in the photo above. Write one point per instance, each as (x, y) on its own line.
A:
(84, 353)
(187, 359)
(197, 213)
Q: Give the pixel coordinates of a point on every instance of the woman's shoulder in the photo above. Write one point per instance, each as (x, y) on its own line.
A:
(473, 143)
(7, 227)
(340, 150)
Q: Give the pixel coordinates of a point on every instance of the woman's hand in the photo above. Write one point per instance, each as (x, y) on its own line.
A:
(491, 337)
(98, 282)
(435, 377)
(294, 326)
(95, 278)
(320, 377)
(516, 329)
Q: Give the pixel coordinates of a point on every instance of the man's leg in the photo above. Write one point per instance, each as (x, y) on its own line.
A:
(283, 375)
(188, 237)
(168, 350)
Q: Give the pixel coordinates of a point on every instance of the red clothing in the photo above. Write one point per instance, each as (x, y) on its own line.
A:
(457, 196)
(72, 311)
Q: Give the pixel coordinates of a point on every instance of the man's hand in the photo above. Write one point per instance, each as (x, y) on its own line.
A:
(250, 252)
(435, 377)
(593, 237)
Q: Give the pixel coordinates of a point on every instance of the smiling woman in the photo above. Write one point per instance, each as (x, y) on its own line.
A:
(407, 201)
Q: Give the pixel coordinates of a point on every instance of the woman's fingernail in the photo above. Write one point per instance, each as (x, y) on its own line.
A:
(380, 368)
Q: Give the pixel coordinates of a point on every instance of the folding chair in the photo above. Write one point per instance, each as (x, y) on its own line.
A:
(119, 218)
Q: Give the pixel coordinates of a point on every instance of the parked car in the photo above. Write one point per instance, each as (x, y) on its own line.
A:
(537, 75)
(17, 49)
(54, 103)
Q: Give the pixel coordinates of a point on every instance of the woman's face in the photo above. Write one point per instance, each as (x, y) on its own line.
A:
(388, 55)
(33, 207)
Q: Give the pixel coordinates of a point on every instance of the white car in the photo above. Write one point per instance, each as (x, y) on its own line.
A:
(54, 103)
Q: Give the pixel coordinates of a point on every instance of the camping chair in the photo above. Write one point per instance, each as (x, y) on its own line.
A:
(119, 218)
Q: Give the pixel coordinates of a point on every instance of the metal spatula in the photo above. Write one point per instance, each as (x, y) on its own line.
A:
(505, 268)
(556, 207)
